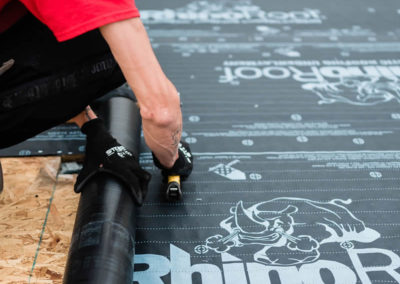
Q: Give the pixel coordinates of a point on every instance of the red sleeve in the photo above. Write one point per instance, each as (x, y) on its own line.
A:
(70, 18)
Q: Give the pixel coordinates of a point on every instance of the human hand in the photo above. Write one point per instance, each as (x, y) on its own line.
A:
(105, 154)
(184, 164)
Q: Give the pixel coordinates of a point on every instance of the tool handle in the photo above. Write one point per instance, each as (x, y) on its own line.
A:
(174, 191)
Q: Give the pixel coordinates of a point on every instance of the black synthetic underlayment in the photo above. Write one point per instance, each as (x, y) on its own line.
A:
(292, 111)
(65, 139)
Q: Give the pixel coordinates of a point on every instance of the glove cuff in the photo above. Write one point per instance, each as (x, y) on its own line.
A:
(92, 127)
(157, 162)
(183, 165)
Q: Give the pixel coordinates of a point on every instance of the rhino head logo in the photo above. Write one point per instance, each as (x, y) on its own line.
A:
(357, 90)
(290, 231)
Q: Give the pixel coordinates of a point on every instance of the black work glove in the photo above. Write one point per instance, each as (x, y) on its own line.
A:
(183, 165)
(105, 154)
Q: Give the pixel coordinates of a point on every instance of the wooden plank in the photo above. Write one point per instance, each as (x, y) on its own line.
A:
(28, 186)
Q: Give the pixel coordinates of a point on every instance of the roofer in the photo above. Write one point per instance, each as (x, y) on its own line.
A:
(57, 56)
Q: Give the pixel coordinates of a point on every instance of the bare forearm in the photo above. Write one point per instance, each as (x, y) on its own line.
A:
(157, 97)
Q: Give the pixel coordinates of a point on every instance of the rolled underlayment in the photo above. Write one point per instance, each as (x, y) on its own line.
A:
(103, 239)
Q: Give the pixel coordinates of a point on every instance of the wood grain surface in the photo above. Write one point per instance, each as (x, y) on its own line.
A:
(24, 205)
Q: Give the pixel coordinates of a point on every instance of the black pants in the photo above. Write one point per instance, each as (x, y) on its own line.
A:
(50, 82)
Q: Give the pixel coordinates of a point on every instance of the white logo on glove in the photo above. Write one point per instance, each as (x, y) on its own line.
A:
(185, 153)
(119, 150)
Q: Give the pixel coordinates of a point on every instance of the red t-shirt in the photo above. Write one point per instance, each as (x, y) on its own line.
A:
(68, 18)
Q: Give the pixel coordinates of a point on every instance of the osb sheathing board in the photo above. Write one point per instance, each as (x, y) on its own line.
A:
(26, 215)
